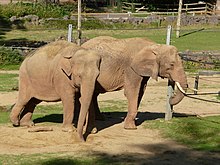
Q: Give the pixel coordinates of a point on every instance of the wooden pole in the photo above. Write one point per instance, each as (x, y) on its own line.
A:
(79, 32)
(179, 19)
(170, 89)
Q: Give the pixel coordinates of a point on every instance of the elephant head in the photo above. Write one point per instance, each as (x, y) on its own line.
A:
(163, 61)
(78, 63)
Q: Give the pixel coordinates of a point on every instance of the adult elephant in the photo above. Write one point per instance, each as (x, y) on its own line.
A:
(129, 63)
(56, 72)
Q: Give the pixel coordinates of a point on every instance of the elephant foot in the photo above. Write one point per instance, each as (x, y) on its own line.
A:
(27, 123)
(129, 124)
(79, 138)
(15, 121)
(68, 128)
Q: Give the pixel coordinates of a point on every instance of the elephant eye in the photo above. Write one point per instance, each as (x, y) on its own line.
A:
(172, 65)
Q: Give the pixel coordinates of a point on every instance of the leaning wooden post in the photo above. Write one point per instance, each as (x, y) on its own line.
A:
(179, 19)
(79, 32)
(169, 108)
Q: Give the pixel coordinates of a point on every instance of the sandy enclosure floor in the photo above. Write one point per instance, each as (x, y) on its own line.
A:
(143, 145)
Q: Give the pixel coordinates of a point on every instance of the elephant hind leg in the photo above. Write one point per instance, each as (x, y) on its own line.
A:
(16, 110)
(26, 114)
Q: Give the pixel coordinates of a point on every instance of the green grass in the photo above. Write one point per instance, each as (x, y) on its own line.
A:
(4, 111)
(113, 106)
(54, 159)
(10, 67)
(198, 133)
(8, 82)
(198, 41)
(65, 159)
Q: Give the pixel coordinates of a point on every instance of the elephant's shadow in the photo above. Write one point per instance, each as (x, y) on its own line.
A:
(111, 118)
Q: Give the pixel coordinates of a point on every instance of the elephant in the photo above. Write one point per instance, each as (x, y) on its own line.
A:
(129, 63)
(57, 72)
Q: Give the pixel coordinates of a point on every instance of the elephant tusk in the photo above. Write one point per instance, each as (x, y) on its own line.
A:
(180, 88)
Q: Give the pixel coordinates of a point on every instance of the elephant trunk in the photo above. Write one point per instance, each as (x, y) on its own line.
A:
(181, 84)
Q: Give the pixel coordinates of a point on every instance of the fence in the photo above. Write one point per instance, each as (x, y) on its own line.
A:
(191, 8)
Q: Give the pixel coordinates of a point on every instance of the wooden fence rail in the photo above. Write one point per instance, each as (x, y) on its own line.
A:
(191, 8)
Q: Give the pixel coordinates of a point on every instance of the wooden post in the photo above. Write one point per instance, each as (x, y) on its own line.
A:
(169, 108)
(170, 89)
(79, 32)
(179, 19)
(196, 85)
(69, 36)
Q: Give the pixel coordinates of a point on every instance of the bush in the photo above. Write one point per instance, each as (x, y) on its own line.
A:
(9, 56)
(41, 10)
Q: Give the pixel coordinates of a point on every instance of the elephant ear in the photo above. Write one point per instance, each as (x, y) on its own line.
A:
(145, 62)
(65, 63)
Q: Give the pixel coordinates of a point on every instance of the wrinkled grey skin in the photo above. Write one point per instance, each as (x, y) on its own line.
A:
(129, 63)
(56, 72)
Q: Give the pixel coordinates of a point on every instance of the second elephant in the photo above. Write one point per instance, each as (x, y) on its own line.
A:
(56, 72)
(129, 63)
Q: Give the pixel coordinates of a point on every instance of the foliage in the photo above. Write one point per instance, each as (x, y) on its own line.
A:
(198, 133)
(9, 56)
(39, 9)
(8, 82)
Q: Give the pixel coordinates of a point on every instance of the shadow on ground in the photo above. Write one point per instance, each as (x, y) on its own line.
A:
(159, 154)
(111, 118)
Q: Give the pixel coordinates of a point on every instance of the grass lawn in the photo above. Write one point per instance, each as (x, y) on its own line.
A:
(198, 133)
(8, 82)
(191, 38)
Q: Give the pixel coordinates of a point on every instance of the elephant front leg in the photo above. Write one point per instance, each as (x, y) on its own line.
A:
(68, 113)
(134, 90)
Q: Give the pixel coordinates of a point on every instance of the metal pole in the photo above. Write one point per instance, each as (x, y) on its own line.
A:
(69, 37)
(79, 32)
(179, 19)
(170, 89)
(169, 29)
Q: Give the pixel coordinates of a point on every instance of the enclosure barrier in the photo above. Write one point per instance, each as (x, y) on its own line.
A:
(208, 75)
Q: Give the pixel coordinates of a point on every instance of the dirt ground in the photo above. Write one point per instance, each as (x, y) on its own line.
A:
(142, 146)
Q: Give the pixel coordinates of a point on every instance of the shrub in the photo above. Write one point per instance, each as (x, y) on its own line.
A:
(41, 10)
(9, 56)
